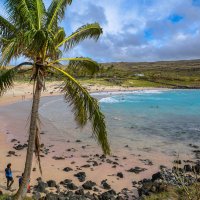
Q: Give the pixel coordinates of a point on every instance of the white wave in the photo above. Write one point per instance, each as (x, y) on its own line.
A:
(129, 92)
(195, 129)
(108, 100)
(116, 118)
(119, 97)
(151, 91)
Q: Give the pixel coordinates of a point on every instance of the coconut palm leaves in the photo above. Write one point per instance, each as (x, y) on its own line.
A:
(85, 108)
(6, 28)
(40, 13)
(56, 12)
(80, 64)
(32, 31)
(19, 10)
(7, 78)
(86, 31)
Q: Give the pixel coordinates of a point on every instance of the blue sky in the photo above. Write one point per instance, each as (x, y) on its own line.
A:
(137, 30)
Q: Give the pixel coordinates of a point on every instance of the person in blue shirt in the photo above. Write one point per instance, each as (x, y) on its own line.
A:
(9, 176)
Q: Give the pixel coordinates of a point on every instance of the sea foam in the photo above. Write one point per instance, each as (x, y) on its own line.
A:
(126, 96)
(128, 92)
(108, 100)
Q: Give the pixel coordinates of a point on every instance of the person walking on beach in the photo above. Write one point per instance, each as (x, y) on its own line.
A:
(9, 177)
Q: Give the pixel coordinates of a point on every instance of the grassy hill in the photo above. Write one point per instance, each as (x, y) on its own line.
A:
(174, 74)
(170, 74)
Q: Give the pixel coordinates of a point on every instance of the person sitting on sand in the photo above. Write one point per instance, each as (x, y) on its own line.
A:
(20, 179)
(9, 177)
(20, 182)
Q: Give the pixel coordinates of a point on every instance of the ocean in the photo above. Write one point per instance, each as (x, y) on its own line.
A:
(165, 121)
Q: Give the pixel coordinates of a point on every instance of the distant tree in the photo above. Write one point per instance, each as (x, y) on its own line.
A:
(110, 68)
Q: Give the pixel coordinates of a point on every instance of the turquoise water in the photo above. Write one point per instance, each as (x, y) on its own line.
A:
(173, 114)
(161, 120)
(165, 121)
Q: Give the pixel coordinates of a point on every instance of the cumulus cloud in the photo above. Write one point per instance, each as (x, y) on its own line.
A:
(143, 30)
(86, 14)
(139, 30)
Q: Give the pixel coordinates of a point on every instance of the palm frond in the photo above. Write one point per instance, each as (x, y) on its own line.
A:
(59, 36)
(86, 31)
(6, 28)
(39, 7)
(37, 41)
(56, 11)
(7, 77)
(85, 108)
(19, 12)
(84, 64)
(7, 53)
(12, 48)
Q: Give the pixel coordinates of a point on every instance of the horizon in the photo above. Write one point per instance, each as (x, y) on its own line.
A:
(189, 60)
(167, 31)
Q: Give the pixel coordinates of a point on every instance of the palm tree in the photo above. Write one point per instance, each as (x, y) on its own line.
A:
(33, 32)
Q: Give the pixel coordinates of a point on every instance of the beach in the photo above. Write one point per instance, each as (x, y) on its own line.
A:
(21, 90)
(63, 159)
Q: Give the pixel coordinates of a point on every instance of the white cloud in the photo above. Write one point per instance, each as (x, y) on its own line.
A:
(125, 23)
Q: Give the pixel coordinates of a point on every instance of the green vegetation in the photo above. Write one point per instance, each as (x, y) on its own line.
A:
(178, 193)
(153, 74)
(169, 74)
(6, 197)
(176, 74)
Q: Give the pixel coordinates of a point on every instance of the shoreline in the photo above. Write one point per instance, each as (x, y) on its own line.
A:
(21, 90)
(76, 153)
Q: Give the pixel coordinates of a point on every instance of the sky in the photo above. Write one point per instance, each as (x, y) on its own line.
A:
(137, 30)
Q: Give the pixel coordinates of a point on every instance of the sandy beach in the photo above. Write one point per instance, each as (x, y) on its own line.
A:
(77, 155)
(21, 90)
(102, 101)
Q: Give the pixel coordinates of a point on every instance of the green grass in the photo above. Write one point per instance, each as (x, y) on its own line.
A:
(121, 82)
(95, 81)
(156, 74)
(6, 196)
(172, 74)
(141, 83)
(175, 193)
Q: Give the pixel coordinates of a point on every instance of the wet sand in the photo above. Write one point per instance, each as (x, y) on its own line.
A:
(75, 154)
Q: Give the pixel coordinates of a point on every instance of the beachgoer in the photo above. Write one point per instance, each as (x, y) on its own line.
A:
(9, 177)
(28, 186)
(20, 180)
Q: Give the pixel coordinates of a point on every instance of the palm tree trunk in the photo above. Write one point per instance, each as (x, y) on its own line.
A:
(31, 143)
